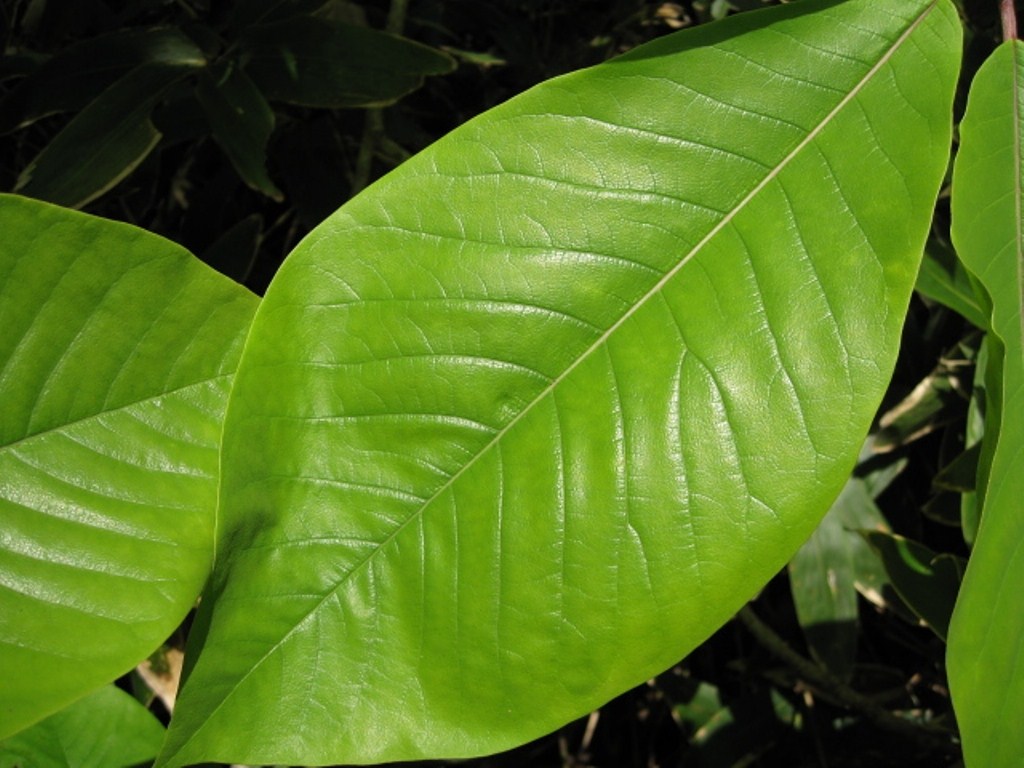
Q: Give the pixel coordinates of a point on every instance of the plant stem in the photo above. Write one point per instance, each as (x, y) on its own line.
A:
(373, 128)
(832, 689)
(1008, 14)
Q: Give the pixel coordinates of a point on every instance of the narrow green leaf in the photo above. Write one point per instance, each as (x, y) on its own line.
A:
(318, 62)
(71, 80)
(927, 582)
(524, 423)
(103, 143)
(982, 419)
(987, 635)
(933, 403)
(737, 734)
(245, 13)
(115, 362)
(106, 729)
(234, 253)
(943, 279)
(241, 122)
(960, 474)
(697, 709)
(823, 577)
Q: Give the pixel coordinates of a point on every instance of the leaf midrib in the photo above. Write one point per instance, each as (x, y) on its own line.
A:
(1018, 224)
(123, 407)
(596, 345)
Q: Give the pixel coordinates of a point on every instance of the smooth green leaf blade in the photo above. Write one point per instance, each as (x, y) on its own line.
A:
(71, 80)
(106, 729)
(103, 143)
(530, 418)
(319, 62)
(115, 363)
(987, 634)
(241, 122)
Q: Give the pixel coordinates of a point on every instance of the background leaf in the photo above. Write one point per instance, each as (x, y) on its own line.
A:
(926, 582)
(533, 416)
(71, 80)
(943, 279)
(825, 573)
(987, 633)
(318, 62)
(103, 143)
(241, 122)
(106, 729)
(115, 363)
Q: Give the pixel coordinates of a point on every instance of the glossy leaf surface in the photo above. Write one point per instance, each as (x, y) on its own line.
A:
(106, 729)
(530, 418)
(115, 363)
(987, 634)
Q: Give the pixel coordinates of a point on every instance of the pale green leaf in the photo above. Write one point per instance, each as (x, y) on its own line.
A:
(524, 423)
(987, 634)
(106, 729)
(115, 362)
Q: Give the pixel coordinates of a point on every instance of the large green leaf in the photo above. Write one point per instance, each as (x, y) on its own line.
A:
(525, 422)
(986, 638)
(115, 362)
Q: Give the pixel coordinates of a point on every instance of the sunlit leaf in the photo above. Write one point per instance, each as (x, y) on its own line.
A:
(524, 423)
(115, 363)
(987, 635)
